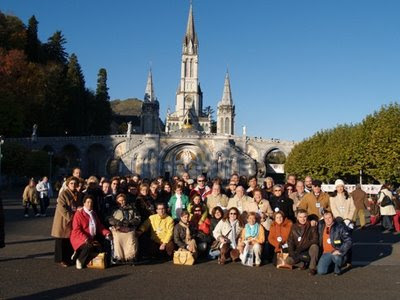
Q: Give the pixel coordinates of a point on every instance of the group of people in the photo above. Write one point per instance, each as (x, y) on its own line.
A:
(137, 219)
(37, 194)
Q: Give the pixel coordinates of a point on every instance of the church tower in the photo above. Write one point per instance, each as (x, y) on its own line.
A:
(189, 97)
(150, 108)
(226, 110)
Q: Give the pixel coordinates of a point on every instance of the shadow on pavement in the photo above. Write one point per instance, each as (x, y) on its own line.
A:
(27, 256)
(30, 241)
(70, 290)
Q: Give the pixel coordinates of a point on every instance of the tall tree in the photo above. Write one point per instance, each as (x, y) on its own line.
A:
(101, 107)
(54, 48)
(33, 46)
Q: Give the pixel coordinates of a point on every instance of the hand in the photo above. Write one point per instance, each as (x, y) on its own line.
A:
(162, 246)
(222, 239)
(336, 252)
(313, 223)
(369, 208)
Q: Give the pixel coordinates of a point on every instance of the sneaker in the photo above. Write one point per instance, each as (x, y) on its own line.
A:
(26, 216)
(78, 264)
(37, 215)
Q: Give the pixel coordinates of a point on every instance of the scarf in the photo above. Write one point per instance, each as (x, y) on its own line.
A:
(233, 234)
(251, 230)
(186, 226)
(92, 221)
(178, 205)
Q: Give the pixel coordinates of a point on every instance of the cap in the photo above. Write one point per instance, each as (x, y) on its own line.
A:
(339, 182)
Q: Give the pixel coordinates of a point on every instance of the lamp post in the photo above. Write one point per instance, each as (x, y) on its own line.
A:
(361, 177)
(1, 155)
(50, 153)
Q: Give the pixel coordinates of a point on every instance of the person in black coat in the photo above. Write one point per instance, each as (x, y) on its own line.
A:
(279, 202)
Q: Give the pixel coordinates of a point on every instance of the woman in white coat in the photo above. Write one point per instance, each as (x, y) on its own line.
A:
(341, 203)
(387, 211)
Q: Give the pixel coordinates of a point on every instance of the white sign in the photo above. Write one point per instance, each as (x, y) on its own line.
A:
(276, 168)
(368, 188)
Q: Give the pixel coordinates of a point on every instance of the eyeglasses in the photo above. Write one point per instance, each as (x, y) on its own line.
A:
(232, 213)
(277, 190)
(200, 180)
(197, 210)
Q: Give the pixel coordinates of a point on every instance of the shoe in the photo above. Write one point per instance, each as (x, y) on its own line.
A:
(26, 216)
(386, 231)
(312, 272)
(37, 215)
(338, 274)
(63, 264)
(78, 264)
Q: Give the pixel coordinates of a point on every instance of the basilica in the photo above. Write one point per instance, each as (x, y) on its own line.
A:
(187, 142)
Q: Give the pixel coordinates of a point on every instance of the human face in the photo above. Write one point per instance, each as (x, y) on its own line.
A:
(135, 179)
(232, 215)
(77, 173)
(32, 183)
(114, 185)
(185, 176)
(253, 183)
(185, 219)
(45, 179)
(217, 215)
(316, 189)
(278, 219)
(240, 191)
(251, 220)
(72, 185)
(160, 210)
(291, 179)
(196, 200)
(277, 192)
(201, 182)
(105, 187)
(144, 191)
(232, 186)
(302, 218)
(197, 211)
(121, 201)
(88, 204)
(153, 188)
(340, 189)
(328, 219)
(235, 179)
(257, 196)
(269, 183)
(167, 188)
(300, 187)
(308, 181)
(178, 191)
(216, 189)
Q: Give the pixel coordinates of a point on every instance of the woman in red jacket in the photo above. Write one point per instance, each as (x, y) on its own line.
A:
(85, 227)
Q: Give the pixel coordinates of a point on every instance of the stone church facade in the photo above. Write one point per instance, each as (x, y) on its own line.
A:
(186, 144)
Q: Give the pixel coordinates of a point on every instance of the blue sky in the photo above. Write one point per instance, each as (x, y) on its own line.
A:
(296, 66)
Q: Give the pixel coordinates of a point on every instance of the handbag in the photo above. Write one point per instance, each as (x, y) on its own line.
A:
(99, 262)
(281, 261)
(183, 257)
(386, 201)
(248, 255)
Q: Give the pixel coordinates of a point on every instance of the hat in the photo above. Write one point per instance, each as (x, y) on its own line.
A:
(339, 182)
(317, 183)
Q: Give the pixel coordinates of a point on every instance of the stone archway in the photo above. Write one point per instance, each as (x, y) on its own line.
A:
(96, 160)
(274, 161)
(71, 157)
(185, 158)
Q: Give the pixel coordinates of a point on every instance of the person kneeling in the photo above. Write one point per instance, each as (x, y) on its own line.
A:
(86, 228)
(161, 227)
(182, 235)
(335, 240)
(251, 240)
(303, 243)
(124, 221)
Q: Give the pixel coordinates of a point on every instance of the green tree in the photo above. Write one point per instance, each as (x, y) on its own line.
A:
(33, 45)
(55, 49)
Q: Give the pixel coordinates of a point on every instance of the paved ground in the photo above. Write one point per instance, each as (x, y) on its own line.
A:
(27, 271)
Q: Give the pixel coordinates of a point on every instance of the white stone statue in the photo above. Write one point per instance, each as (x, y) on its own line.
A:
(34, 132)
(186, 158)
(244, 130)
(234, 165)
(129, 130)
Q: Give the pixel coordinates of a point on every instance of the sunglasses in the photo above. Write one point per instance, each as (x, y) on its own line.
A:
(233, 214)
(197, 210)
(200, 180)
(277, 190)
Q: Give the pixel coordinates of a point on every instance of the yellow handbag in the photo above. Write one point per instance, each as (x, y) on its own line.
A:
(99, 262)
(183, 257)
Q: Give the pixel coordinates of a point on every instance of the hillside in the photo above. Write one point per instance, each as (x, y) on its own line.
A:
(127, 107)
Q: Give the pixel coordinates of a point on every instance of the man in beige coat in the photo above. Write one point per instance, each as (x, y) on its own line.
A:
(240, 200)
(216, 198)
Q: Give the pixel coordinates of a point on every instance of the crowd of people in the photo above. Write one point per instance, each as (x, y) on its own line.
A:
(136, 219)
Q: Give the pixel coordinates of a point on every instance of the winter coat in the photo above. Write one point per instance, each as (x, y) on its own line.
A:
(180, 236)
(30, 195)
(310, 203)
(220, 200)
(342, 207)
(80, 229)
(387, 210)
(360, 199)
(239, 203)
(44, 189)
(276, 231)
(301, 238)
(339, 235)
(62, 223)
(224, 228)
(283, 204)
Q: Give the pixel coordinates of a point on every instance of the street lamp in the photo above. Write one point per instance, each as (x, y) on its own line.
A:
(50, 153)
(1, 155)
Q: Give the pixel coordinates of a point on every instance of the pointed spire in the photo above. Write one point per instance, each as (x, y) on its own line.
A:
(227, 94)
(190, 38)
(149, 92)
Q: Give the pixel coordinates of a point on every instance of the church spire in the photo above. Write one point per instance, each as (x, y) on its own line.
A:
(227, 94)
(190, 41)
(149, 92)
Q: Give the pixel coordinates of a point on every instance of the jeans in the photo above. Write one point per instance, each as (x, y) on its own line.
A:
(326, 261)
(387, 222)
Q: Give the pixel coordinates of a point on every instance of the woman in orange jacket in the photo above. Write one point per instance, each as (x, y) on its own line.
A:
(279, 233)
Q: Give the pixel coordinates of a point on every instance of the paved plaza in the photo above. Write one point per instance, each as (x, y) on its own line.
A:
(27, 271)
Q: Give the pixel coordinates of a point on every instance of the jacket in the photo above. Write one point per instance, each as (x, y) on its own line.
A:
(260, 238)
(80, 229)
(180, 236)
(339, 235)
(62, 222)
(387, 210)
(284, 204)
(224, 228)
(172, 205)
(282, 230)
(30, 195)
(360, 199)
(204, 215)
(239, 203)
(125, 216)
(220, 200)
(301, 238)
(342, 207)
(310, 204)
(161, 229)
(44, 189)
